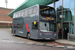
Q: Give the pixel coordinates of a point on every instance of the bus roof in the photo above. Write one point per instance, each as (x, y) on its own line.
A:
(29, 3)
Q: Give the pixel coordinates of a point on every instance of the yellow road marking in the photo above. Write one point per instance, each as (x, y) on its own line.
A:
(18, 37)
(53, 42)
(50, 42)
(23, 39)
(33, 42)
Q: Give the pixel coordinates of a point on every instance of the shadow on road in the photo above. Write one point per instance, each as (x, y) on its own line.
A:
(43, 40)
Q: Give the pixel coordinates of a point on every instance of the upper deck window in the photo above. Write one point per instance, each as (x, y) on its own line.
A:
(22, 12)
(46, 11)
(52, 11)
(30, 11)
(19, 14)
(26, 12)
(35, 9)
(14, 15)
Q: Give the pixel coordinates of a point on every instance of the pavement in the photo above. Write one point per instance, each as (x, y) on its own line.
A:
(65, 42)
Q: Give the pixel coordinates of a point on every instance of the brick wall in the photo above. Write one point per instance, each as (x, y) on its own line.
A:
(4, 16)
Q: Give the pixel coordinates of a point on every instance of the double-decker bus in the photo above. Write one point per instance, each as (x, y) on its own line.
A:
(36, 22)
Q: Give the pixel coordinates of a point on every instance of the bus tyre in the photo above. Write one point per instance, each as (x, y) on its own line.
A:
(13, 34)
(28, 35)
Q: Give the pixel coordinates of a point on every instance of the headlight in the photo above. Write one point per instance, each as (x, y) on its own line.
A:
(40, 33)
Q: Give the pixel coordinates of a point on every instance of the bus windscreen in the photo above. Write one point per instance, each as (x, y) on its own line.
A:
(47, 13)
(47, 27)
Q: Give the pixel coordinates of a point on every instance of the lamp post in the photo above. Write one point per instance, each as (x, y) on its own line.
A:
(6, 1)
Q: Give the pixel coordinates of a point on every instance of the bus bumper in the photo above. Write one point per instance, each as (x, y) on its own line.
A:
(47, 37)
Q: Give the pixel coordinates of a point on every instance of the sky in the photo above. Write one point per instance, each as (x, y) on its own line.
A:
(12, 4)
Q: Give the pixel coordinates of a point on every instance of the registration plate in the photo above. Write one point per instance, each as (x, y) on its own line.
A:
(47, 38)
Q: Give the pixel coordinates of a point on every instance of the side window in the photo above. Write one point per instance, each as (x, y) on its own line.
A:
(35, 9)
(22, 12)
(15, 26)
(26, 12)
(18, 14)
(30, 11)
(14, 15)
(34, 25)
(20, 26)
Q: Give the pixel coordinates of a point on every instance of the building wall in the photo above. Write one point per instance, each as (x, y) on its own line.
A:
(4, 16)
(66, 8)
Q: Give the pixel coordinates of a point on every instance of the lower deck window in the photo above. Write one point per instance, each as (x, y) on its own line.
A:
(18, 26)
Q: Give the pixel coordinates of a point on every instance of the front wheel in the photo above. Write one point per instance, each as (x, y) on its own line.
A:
(28, 35)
